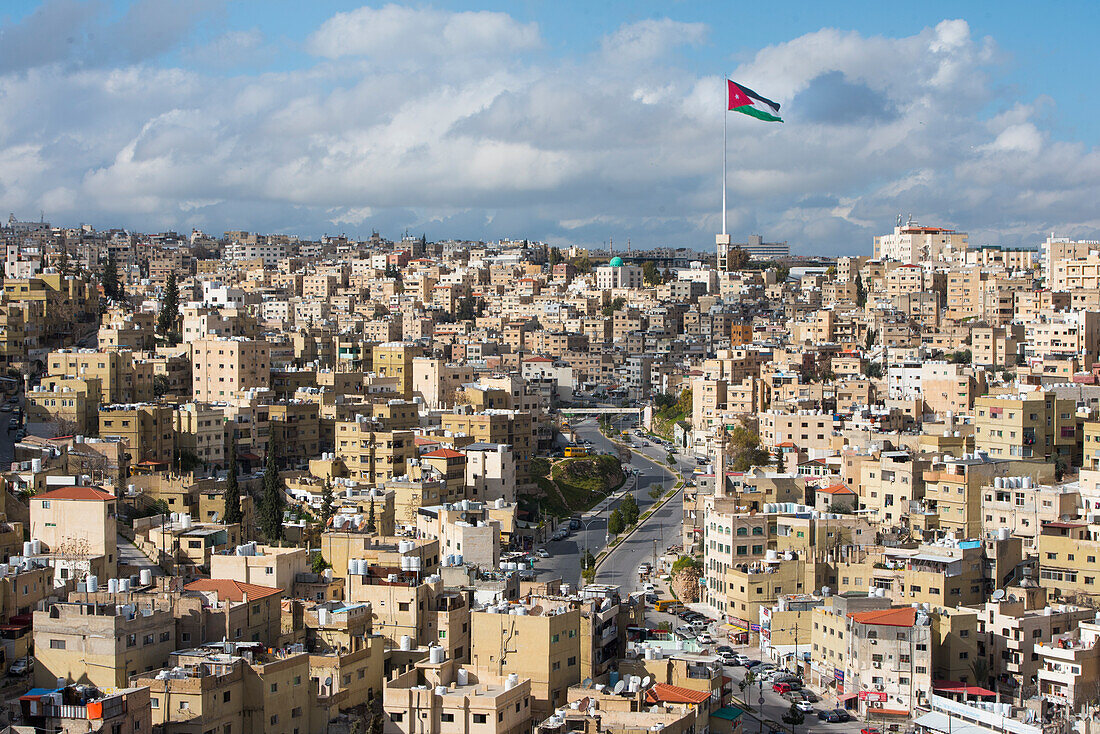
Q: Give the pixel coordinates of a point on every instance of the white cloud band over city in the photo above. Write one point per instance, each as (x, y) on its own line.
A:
(466, 125)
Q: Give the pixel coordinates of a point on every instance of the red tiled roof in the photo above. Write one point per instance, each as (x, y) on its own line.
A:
(836, 489)
(229, 590)
(675, 694)
(897, 617)
(891, 712)
(77, 493)
(443, 454)
(786, 445)
(1064, 525)
(421, 441)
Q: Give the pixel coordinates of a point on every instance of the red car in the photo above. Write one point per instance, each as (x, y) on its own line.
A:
(870, 730)
(781, 687)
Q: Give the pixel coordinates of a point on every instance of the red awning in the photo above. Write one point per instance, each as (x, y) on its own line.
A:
(247, 456)
(846, 697)
(956, 687)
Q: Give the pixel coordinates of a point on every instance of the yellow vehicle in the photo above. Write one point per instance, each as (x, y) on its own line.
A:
(572, 451)
(663, 605)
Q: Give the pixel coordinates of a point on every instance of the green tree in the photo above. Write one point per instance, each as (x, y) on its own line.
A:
(840, 508)
(554, 256)
(111, 287)
(655, 491)
(615, 522)
(583, 265)
(273, 500)
(629, 509)
(328, 506)
(745, 449)
(861, 292)
(737, 259)
(169, 310)
(780, 462)
(371, 523)
(232, 512)
(869, 340)
(873, 370)
(650, 274)
(782, 272)
(589, 560)
(318, 563)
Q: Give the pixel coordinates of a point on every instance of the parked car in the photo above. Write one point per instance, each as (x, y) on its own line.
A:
(743, 659)
(705, 639)
(542, 553)
(842, 715)
(781, 687)
(22, 666)
(751, 664)
(13, 424)
(804, 706)
(726, 659)
(724, 650)
(870, 730)
(810, 695)
(685, 631)
(652, 598)
(828, 716)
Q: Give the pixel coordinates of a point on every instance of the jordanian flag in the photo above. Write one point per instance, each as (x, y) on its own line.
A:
(749, 102)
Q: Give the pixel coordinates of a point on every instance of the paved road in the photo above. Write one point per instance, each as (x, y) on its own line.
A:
(566, 554)
(129, 555)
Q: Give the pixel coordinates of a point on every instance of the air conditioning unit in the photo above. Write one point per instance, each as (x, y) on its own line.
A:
(876, 665)
(880, 688)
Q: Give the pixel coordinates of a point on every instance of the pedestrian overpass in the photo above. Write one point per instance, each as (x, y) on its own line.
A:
(601, 411)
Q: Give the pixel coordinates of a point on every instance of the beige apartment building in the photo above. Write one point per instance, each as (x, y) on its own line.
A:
(395, 359)
(371, 455)
(147, 428)
(1031, 425)
(511, 427)
(77, 522)
(542, 646)
(122, 376)
(439, 696)
(912, 243)
(889, 652)
(101, 644)
(225, 368)
(809, 430)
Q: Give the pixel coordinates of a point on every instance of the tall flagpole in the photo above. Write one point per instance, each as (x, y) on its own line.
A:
(725, 114)
(722, 241)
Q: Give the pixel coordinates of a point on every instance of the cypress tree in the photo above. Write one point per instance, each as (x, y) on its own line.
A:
(169, 309)
(232, 511)
(326, 503)
(110, 278)
(272, 501)
(371, 527)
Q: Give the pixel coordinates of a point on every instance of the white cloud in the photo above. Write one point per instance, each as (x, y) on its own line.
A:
(406, 33)
(380, 133)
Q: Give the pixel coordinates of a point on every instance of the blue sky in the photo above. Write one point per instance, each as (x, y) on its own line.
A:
(564, 121)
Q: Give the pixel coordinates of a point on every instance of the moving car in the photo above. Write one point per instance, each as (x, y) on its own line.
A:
(870, 730)
(751, 664)
(804, 706)
(542, 553)
(828, 716)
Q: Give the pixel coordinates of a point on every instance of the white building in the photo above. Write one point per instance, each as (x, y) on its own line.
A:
(912, 243)
(617, 274)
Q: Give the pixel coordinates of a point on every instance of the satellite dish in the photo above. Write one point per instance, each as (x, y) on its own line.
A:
(646, 681)
(587, 683)
(998, 594)
(620, 686)
(328, 681)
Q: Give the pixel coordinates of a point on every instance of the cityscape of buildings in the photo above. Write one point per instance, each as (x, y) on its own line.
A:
(258, 483)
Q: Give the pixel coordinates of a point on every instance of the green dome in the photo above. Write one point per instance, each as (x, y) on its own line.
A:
(616, 262)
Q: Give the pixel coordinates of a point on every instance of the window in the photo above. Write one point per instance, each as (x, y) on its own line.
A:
(446, 718)
(57, 644)
(479, 718)
(154, 702)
